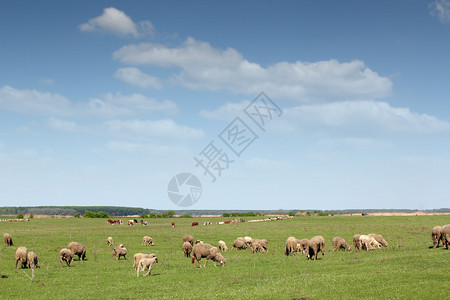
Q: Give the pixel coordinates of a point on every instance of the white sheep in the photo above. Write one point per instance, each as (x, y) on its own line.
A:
(146, 263)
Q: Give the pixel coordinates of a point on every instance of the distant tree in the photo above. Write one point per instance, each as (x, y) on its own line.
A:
(144, 216)
(152, 215)
(170, 213)
(19, 216)
(186, 216)
(31, 215)
(77, 215)
(159, 215)
(225, 215)
(292, 214)
(165, 215)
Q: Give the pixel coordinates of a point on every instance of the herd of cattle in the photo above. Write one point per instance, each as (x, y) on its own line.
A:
(198, 249)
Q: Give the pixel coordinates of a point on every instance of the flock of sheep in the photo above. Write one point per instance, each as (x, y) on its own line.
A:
(199, 249)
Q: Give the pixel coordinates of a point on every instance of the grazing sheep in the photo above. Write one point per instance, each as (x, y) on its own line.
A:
(263, 243)
(8, 239)
(32, 260)
(22, 255)
(379, 238)
(291, 245)
(248, 240)
(257, 248)
(119, 251)
(356, 242)
(446, 235)
(239, 245)
(65, 255)
(138, 256)
(368, 243)
(188, 238)
(240, 239)
(207, 251)
(110, 241)
(315, 245)
(436, 235)
(339, 243)
(146, 241)
(303, 245)
(187, 249)
(78, 249)
(222, 246)
(146, 263)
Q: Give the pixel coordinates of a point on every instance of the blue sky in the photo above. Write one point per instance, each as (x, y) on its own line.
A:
(103, 102)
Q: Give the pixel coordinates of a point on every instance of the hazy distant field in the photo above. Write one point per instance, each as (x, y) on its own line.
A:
(408, 269)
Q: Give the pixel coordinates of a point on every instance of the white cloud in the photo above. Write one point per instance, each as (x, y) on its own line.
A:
(206, 68)
(62, 125)
(159, 128)
(136, 77)
(364, 116)
(441, 9)
(226, 112)
(129, 147)
(34, 102)
(116, 22)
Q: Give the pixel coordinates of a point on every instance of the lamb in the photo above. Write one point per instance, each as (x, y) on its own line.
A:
(110, 241)
(146, 263)
(119, 251)
(207, 251)
(78, 249)
(138, 256)
(379, 238)
(436, 235)
(263, 243)
(8, 239)
(257, 248)
(187, 249)
(239, 245)
(303, 245)
(291, 245)
(368, 243)
(188, 238)
(222, 246)
(446, 235)
(65, 255)
(356, 242)
(32, 260)
(339, 243)
(146, 240)
(22, 255)
(315, 245)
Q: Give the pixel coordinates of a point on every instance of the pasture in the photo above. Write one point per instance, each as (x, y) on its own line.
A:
(407, 269)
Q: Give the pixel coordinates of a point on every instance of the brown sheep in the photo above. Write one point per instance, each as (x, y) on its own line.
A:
(436, 235)
(118, 252)
(138, 256)
(263, 243)
(22, 255)
(257, 248)
(239, 245)
(65, 255)
(356, 242)
(8, 239)
(379, 238)
(291, 245)
(188, 238)
(315, 245)
(110, 241)
(146, 241)
(32, 260)
(207, 251)
(339, 243)
(222, 246)
(446, 235)
(78, 249)
(146, 263)
(187, 249)
(302, 246)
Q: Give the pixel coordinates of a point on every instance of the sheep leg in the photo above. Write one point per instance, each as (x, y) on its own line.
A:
(149, 270)
(137, 273)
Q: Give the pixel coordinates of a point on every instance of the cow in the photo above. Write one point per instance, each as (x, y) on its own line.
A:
(227, 222)
(130, 223)
(110, 222)
(173, 224)
(145, 223)
(135, 221)
(194, 224)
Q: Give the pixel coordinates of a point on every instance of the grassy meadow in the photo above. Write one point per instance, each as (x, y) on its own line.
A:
(407, 269)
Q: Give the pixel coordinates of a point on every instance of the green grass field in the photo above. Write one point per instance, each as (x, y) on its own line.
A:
(408, 269)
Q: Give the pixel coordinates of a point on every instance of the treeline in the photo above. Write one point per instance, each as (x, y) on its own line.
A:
(73, 210)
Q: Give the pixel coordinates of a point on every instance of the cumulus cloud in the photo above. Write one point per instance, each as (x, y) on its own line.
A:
(441, 9)
(136, 77)
(34, 102)
(159, 128)
(114, 21)
(203, 67)
(226, 112)
(364, 116)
